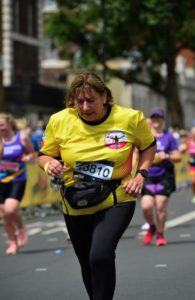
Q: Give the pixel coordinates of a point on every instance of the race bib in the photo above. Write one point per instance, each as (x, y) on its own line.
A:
(8, 166)
(100, 170)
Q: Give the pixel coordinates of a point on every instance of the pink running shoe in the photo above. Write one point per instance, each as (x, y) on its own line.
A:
(22, 238)
(149, 236)
(12, 248)
(160, 240)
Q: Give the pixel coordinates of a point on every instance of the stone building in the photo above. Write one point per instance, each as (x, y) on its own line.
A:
(21, 91)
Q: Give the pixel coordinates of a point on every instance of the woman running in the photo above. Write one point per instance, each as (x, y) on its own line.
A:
(95, 138)
(17, 151)
(161, 180)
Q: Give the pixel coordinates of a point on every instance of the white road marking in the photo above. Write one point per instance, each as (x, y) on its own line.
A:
(55, 223)
(161, 266)
(54, 230)
(46, 228)
(34, 224)
(41, 269)
(180, 220)
(34, 231)
(52, 239)
(185, 235)
(141, 233)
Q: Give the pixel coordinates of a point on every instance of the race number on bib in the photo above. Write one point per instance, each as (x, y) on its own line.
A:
(8, 166)
(100, 170)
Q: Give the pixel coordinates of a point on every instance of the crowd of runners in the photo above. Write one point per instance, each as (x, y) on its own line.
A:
(19, 144)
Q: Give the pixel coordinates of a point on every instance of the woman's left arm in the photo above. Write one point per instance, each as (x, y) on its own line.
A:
(146, 157)
(175, 156)
(135, 184)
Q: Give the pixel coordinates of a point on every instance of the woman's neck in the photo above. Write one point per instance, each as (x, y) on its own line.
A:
(8, 136)
(157, 131)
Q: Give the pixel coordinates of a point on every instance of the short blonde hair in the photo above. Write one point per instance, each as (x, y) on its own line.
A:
(86, 81)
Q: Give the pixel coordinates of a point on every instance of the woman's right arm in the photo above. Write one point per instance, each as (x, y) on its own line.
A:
(50, 165)
(43, 160)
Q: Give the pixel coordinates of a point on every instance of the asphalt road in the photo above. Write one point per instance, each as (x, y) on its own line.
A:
(48, 269)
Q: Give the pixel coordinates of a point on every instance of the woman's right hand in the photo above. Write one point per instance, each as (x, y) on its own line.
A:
(55, 167)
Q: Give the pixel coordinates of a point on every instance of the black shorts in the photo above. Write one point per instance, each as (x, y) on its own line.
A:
(13, 190)
(160, 185)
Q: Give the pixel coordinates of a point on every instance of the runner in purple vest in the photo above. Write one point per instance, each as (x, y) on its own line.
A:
(161, 180)
(17, 151)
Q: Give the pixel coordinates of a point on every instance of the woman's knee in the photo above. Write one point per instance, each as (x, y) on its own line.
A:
(104, 256)
(11, 206)
(10, 212)
(147, 203)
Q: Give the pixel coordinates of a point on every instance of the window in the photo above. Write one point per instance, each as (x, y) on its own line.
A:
(16, 15)
(25, 17)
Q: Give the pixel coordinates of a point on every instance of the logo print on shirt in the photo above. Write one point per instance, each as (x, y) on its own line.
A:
(160, 146)
(116, 139)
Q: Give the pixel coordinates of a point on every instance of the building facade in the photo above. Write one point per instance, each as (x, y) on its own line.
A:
(20, 61)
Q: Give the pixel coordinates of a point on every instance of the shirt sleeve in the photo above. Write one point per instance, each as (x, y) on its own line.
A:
(143, 135)
(49, 143)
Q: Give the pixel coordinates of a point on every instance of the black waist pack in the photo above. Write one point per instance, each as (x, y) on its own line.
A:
(84, 194)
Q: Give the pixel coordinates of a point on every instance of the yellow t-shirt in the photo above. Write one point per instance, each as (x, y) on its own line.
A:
(111, 142)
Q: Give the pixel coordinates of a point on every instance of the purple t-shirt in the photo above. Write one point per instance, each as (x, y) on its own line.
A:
(166, 143)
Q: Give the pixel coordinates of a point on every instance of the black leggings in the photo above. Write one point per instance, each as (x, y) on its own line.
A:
(94, 238)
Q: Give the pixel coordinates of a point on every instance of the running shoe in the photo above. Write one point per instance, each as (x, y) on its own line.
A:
(149, 235)
(12, 248)
(160, 240)
(145, 226)
(22, 238)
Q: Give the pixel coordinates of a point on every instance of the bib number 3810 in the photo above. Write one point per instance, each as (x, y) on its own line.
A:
(100, 170)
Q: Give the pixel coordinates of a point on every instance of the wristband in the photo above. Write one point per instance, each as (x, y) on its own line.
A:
(46, 167)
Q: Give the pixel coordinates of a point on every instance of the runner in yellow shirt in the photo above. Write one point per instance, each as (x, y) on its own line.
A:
(95, 140)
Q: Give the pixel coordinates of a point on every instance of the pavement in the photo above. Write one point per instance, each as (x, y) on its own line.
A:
(47, 267)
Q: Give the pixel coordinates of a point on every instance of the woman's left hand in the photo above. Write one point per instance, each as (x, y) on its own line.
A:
(134, 185)
(163, 155)
(28, 157)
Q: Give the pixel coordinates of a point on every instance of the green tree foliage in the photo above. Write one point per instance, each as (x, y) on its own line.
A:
(148, 33)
